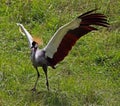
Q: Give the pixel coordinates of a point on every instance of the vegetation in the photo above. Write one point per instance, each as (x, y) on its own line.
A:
(88, 76)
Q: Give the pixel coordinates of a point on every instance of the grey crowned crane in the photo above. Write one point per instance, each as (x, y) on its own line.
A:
(62, 41)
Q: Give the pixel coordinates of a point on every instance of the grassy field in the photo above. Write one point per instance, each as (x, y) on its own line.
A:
(88, 76)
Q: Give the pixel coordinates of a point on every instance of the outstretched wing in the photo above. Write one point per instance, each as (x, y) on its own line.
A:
(25, 32)
(66, 36)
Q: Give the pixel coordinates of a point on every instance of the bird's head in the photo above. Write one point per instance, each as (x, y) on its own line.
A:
(34, 45)
(36, 42)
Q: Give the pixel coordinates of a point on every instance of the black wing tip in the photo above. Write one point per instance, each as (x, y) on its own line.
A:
(94, 18)
(86, 13)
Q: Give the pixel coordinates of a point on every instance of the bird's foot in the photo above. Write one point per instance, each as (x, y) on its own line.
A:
(47, 84)
(33, 89)
(48, 89)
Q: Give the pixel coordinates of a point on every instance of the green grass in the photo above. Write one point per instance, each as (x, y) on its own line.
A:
(88, 76)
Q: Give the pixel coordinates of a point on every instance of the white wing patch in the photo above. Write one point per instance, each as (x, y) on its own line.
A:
(54, 42)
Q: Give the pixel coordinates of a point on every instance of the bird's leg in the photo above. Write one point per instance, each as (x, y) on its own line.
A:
(38, 76)
(45, 71)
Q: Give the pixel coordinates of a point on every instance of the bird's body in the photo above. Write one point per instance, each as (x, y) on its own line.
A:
(62, 41)
(38, 58)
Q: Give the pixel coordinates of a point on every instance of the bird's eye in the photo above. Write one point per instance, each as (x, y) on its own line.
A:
(33, 43)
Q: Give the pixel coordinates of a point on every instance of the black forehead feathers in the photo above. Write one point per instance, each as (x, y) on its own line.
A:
(34, 43)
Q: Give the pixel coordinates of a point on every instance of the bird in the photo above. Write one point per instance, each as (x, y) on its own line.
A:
(62, 41)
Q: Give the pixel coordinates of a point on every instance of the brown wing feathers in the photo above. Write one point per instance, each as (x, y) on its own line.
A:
(63, 49)
(87, 19)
